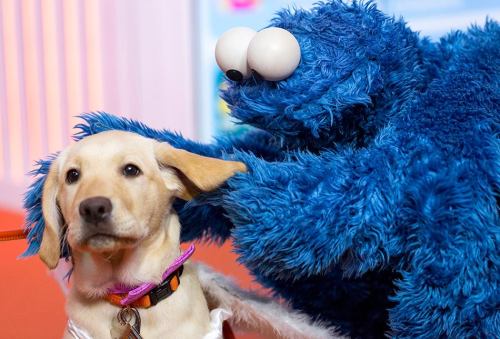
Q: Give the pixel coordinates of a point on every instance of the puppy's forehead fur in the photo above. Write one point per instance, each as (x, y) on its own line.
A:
(112, 145)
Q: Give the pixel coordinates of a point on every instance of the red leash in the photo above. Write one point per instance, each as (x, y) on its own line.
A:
(12, 235)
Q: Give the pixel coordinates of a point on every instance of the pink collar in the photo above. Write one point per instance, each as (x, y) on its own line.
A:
(137, 292)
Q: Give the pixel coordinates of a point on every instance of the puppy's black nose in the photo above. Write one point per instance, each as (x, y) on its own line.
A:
(96, 209)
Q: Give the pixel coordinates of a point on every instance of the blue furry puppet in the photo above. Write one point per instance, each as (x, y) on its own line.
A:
(371, 200)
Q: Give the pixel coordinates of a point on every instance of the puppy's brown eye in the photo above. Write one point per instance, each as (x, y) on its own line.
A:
(131, 170)
(72, 176)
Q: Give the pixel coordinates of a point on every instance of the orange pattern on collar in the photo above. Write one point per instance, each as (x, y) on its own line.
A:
(153, 297)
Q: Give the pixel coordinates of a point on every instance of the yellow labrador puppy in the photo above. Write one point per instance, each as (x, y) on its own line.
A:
(109, 197)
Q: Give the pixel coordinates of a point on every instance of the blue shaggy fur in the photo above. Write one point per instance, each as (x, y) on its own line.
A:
(372, 197)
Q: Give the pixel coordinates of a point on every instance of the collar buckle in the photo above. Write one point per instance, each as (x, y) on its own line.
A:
(166, 288)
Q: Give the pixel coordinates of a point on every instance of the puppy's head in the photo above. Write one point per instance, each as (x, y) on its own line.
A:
(111, 190)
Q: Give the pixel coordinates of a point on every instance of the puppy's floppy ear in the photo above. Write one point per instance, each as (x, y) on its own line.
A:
(50, 249)
(197, 173)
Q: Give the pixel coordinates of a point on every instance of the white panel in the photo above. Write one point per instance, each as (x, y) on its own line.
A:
(55, 90)
(95, 53)
(4, 170)
(12, 40)
(33, 79)
(75, 59)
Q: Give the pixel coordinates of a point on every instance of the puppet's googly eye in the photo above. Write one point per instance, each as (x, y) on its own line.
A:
(231, 52)
(274, 53)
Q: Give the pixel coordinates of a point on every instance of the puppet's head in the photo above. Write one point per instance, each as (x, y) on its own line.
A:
(355, 62)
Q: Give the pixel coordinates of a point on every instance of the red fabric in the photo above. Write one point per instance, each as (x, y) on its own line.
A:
(227, 332)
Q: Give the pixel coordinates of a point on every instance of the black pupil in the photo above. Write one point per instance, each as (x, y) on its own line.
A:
(72, 176)
(131, 171)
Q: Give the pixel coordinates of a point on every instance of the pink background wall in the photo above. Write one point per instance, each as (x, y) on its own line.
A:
(62, 58)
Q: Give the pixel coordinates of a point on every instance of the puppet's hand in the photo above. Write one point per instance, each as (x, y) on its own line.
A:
(203, 216)
(299, 217)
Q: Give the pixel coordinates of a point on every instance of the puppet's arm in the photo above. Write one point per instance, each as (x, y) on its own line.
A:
(202, 217)
(299, 217)
(258, 142)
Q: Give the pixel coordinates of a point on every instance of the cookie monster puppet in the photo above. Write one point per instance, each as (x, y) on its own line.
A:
(372, 197)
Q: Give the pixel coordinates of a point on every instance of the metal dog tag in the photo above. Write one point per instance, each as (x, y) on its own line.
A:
(131, 319)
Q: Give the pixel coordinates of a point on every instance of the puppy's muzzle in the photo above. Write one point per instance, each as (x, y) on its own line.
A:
(95, 210)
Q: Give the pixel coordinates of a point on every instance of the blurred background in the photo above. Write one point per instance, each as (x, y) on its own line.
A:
(148, 60)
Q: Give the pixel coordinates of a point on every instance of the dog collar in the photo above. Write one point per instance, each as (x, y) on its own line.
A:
(149, 294)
